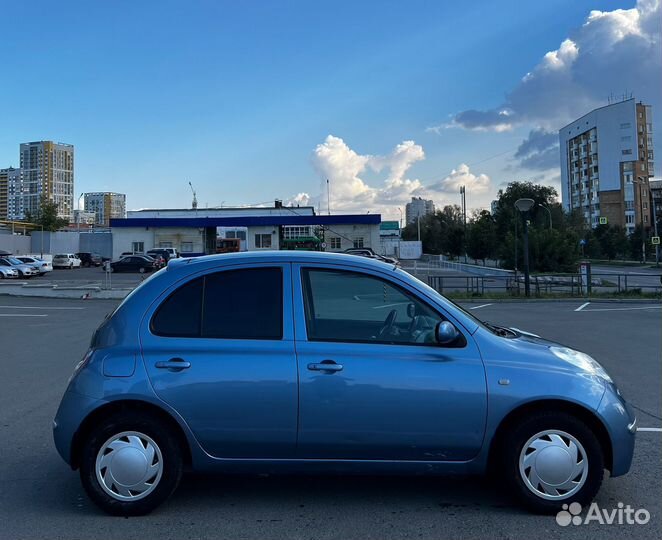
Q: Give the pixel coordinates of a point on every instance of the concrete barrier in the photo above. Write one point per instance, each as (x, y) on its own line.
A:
(22, 288)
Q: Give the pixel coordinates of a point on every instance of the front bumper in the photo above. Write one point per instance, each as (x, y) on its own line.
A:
(621, 423)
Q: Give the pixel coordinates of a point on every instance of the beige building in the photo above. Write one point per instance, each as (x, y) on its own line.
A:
(105, 205)
(606, 162)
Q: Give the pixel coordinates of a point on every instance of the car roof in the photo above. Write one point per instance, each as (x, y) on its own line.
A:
(278, 256)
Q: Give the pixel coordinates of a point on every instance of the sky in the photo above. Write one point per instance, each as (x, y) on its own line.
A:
(253, 101)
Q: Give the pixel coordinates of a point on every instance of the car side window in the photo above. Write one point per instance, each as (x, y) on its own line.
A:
(234, 304)
(354, 307)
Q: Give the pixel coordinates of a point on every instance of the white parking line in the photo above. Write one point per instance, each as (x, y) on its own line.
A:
(622, 308)
(481, 306)
(21, 315)
(653, 429)
(582, 306)
(38, 307)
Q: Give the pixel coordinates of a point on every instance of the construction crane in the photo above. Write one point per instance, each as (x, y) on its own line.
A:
(194, 204)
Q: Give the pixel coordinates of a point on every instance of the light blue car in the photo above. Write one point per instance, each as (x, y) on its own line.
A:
(301, 361)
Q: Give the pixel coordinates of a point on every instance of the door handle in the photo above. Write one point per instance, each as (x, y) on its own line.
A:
(174, 364)
(328, 366)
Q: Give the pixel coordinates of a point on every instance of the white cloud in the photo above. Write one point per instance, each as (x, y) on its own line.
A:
(343, 167)
(612, 52)
(462, 176)
(351, 193)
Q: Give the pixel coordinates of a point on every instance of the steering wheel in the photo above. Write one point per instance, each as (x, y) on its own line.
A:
(388, 323)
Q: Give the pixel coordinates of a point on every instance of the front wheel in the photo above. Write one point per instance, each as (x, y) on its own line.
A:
(141, 270)
(131, 463)
(551, 459)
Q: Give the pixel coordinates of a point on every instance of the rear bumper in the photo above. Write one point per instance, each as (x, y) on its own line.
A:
(73, 409)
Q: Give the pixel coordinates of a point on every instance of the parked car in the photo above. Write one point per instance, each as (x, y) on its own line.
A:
(368, 252)
(24, 270)
(159, 252)
(42, 266)
(7, 272)
(173, 253)
(301, 361)
(66, 260)
(134, 263)
(89, 259)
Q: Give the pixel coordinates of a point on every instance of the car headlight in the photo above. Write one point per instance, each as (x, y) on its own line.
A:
(581, 360)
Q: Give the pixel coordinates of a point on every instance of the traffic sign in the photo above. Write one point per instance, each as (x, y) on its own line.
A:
(603, 220)
(655, 240)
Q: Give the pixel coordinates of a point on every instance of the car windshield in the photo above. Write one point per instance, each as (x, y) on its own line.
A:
(14, 260)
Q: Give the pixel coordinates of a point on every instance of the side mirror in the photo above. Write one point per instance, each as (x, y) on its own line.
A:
(445, 333)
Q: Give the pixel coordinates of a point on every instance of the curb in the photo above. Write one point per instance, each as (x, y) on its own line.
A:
(557, 300)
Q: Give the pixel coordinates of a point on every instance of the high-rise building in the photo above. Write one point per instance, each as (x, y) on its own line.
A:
(606, 161)
(11, 194)
(418, 207)
(4, 192)
(47, 170)
(106, 206)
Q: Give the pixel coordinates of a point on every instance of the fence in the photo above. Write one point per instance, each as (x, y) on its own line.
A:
(548, 284)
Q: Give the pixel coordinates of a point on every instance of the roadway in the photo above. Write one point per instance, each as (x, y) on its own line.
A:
(42, 339)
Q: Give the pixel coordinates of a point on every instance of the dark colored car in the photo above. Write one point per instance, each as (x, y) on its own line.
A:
(134, 263)
(90, 259)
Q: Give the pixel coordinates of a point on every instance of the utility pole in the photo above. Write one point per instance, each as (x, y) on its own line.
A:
(328, 198)
(549, 212)
(640, 181)
(463, 195)
(523, 206)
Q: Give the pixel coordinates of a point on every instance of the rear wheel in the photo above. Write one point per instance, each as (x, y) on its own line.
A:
(131, 463)
(551, 459)
(141, 270)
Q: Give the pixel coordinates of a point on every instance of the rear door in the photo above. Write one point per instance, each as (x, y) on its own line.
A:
(219, 348)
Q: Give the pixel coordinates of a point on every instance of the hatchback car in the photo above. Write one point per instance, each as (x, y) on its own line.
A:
(302, 361)
(66, 260)
(7, 272)
(24, 270)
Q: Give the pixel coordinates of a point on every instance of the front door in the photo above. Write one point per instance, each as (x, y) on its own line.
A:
(374, 384)
(219, 349)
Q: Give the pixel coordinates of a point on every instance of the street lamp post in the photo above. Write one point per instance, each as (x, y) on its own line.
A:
(640, 181)
(549, 212)
(524, 205)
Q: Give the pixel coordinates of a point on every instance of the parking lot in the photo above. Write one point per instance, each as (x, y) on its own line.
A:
(42, 339)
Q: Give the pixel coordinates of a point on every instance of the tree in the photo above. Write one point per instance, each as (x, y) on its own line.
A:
(441, 232)
(47, 216)
(482, 237)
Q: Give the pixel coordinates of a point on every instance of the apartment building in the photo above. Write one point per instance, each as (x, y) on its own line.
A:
(606, 161)
(11, 194)
(417, 208)
(47, 169)
(106, 206)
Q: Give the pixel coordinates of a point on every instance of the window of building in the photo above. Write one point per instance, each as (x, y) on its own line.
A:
(629, 218)
(335, 242)
(358, 242)
(626, 138)
(291, 232)
(138, 247)
(354, 307)
(626, 125)
(187, 247)
(627, 152)
(629, 205)
(646, 218)
(262, 240)
(649, 127)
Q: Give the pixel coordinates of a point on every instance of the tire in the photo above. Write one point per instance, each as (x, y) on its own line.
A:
(141, 270)
(521, 462)
(142, 435)
(87, 265)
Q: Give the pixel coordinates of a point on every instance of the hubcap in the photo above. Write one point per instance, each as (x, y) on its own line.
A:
(553, 465)
(129, 466)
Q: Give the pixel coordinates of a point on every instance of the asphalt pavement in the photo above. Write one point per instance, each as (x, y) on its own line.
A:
(41, 340)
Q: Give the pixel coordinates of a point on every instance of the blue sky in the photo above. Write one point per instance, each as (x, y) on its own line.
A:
(237, 96)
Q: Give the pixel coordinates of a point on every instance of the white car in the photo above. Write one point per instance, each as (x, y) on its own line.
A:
(66, 260)
(7, 272)
(40, 265)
